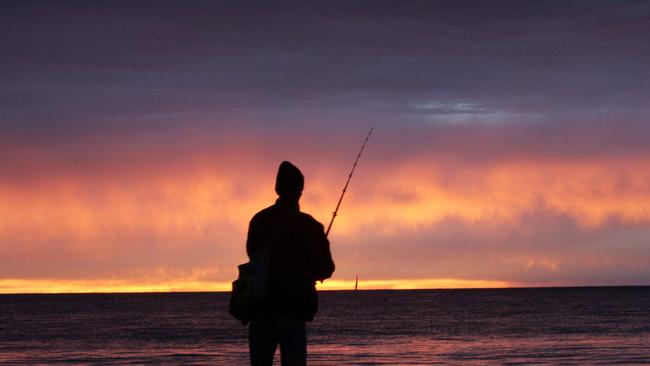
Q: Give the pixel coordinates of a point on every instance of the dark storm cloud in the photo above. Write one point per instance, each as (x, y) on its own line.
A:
(88, 66)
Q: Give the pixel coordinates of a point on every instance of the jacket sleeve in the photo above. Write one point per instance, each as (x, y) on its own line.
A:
(252, 239)
(322, 264)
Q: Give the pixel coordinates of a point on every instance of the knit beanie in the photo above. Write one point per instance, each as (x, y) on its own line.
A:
(289, 181)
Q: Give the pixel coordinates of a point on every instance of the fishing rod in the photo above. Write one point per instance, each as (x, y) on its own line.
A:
(345, 188)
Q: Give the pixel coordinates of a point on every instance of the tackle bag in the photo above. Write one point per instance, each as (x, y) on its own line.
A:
(250, 290)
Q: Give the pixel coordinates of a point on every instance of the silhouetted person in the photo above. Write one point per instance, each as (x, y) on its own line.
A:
(299, 257)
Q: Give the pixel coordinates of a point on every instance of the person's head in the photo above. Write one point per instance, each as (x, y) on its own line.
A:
(289, 182)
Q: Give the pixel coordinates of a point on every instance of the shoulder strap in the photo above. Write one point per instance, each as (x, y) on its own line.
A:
(283, 225)
(281, 228)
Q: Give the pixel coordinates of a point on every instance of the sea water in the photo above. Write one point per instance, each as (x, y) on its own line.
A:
(597, 325)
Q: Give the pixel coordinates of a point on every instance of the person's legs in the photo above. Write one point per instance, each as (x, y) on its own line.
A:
(293, 340)
(262, 341)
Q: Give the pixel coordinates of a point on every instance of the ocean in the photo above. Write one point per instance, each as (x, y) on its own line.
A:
(590, 325)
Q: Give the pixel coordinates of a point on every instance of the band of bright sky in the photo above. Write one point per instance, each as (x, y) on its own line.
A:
(510, 150)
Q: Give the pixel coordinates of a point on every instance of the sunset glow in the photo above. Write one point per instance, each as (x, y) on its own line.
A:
(9, 286)
(133, 161)
(100, 223)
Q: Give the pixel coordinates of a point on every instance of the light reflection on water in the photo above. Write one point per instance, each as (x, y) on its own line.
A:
(421, 351)
(516, 326)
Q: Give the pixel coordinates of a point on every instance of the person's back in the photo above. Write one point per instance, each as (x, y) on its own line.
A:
(299, 257)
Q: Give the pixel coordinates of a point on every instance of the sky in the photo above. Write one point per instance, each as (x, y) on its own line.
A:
(138, 138)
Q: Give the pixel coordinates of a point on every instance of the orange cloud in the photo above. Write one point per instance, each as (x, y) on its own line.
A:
(130, 225)
(589, 193)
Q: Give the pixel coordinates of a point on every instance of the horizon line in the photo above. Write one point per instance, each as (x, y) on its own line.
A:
(321, 290)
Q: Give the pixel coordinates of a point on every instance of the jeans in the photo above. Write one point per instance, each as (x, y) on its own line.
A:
(265, 333)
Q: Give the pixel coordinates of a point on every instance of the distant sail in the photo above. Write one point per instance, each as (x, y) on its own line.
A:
(356, 282)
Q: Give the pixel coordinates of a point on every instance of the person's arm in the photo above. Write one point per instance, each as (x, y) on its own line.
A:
(252, 239)
(322, 265)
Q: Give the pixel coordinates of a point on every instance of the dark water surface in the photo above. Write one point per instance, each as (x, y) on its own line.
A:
(604, 325)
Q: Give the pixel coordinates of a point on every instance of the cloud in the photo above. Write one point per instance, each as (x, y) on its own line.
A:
(544, 248)
(538, 223)
(339, 62)
(511, 141)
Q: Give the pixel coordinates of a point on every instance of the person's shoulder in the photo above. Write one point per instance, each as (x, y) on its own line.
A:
(263, 214)
(309, 220)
